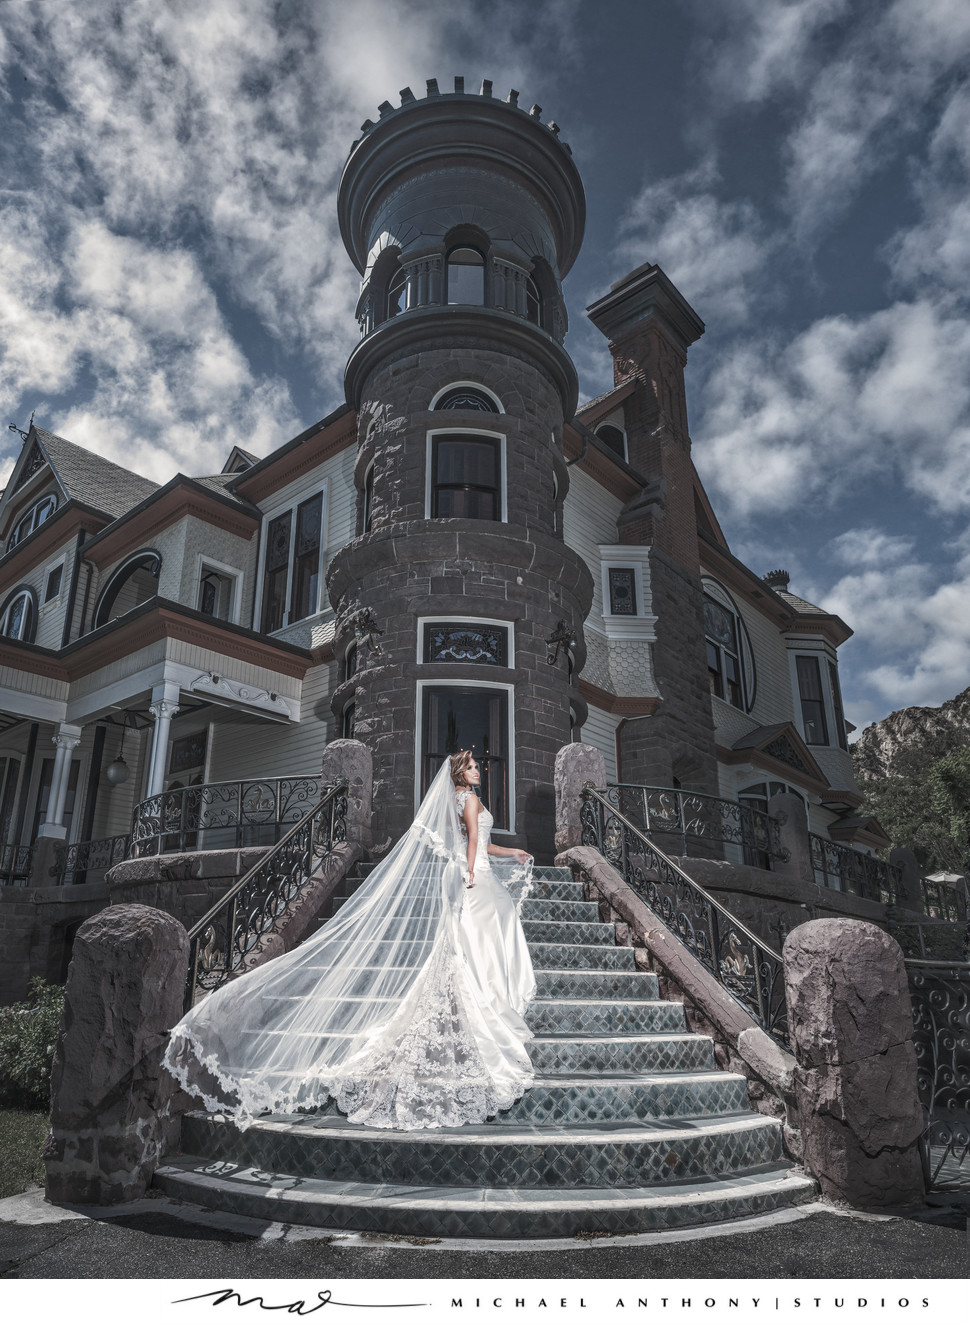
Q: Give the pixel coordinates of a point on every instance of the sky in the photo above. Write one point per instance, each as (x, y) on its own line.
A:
(172, 281)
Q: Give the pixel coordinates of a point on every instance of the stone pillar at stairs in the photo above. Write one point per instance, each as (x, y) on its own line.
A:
(110, 1114)
(576, 765)
(851, 1024)
(353, 761)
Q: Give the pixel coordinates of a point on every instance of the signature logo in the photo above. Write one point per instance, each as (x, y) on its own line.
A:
(300, 1307)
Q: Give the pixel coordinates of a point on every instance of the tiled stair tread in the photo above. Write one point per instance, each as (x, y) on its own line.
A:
(483, 1211)
(619, 1132)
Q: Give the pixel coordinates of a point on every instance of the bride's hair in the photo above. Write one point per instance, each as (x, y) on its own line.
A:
(459, 765)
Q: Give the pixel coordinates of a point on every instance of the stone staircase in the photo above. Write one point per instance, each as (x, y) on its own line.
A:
(629, 1127)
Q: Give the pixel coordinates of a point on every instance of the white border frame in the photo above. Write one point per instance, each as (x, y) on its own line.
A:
(270, 513)
(500, 437)
(814, 648)
(234, 573)
(456, 684)
(508, 626)
(475, 386)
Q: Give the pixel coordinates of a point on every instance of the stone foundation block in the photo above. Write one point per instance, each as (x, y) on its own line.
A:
(110, 1103)
(852, 1033)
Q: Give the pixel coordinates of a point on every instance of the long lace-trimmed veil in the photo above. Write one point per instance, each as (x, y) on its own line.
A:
(376, 1009)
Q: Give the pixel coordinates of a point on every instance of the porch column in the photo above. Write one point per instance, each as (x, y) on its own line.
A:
(65, 741)
(163, 709)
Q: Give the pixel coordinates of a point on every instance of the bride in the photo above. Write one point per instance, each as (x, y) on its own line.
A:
(407, 1007)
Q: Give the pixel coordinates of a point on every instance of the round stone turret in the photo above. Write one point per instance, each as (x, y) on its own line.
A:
(462, 214)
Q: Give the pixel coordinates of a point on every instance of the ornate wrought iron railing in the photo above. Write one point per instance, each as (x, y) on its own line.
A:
(228, 932)
(88, 862)
(15, 863)
(941, 1017)
(747, 968)
(846, 870)
(693, 820)
(253, 812)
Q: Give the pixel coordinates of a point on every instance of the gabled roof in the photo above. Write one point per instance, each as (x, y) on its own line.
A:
(90, 479)
(780, 749)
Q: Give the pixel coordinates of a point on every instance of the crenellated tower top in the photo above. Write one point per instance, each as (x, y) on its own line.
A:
(465, 206)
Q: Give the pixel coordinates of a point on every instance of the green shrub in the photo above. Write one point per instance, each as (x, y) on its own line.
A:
(28, 1034)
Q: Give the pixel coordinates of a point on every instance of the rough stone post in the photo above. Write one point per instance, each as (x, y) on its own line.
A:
(851, 1025)
(911, 893)
(110, 1114)
(794, 838)
(575, 765)
(42, 862)
(353, 760)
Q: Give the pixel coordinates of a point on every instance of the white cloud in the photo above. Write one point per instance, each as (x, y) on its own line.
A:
(713, 249)
(884, 395)
(181, 161)
(871, 547)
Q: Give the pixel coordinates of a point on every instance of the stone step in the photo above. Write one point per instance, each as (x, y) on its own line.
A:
(590, 984)
(479, 1213)
(550, 873)
(557, 890)
(623, 1097)
(561, 1016)
(590, 1055)
(552, 910)
(581, 957)
(512, 1155)
(571, 932)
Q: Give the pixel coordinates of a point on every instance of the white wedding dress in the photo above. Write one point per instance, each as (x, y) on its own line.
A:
(407, 1008)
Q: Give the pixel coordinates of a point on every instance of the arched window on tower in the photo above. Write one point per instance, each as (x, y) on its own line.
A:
(397, 292)
(131, 585)
(533, 302)
(465, 275)
(18, 618)
(466, 397)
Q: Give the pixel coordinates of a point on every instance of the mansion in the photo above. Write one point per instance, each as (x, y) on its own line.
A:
(461, 554)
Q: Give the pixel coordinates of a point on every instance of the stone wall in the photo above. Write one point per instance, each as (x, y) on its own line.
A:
(37, 928)
(517, 571)
(184, 885)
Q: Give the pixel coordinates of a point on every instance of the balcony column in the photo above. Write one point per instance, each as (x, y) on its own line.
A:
(163, 709)
(65, 741)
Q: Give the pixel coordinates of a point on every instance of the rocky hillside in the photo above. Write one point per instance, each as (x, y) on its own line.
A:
(912, 736)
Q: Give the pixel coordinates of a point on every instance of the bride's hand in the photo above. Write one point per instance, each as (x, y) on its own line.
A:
(521, 856)
(471, 879)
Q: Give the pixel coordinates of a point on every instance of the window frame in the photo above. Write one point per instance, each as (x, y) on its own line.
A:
(810, 656)
(203, 563)
(467, 386)
(623, 455)
(15, 538)
(747, 673)
(615, 563)
(455, 247)
(271, 513)
(429, 486)
(444, 619)
(439, 683)
(28, 631)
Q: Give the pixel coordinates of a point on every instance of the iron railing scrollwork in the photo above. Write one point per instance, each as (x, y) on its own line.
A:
(76, 863)
(941, 1019)
(15, 863)
(746, 967)
(695, 819)
(252, 812)
(846, 870)
(234, 927)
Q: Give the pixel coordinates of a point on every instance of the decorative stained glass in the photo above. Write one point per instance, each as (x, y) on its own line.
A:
(466, 397)
(623, 591)
(457, 642)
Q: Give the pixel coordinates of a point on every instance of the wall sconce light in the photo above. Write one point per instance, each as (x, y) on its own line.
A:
(560, 637)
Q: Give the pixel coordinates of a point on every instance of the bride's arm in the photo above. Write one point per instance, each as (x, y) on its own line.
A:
(470, 815)
(517, 852)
